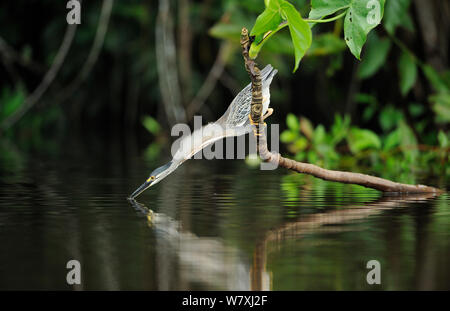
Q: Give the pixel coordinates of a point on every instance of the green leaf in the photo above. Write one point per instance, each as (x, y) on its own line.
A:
(251, 5)
(266, 24)
(408, 142)
(416, 109)
(435, 80)
(151, 125)
(326, 44)
(279, 44)
(389, 117)
(288, 136)
(396, 14)
(252, 161)
(361, 139)
(301, 143)
(10, 101)
(375, 56)
(339, 129)
(441, 106)
(364, 98)
(322, 8)
(153, 150)
(131, 11)
(268, 20)
(362, 16)
(292, 122)
(319, 135)
(371, 104)
(443, 140)
(407, 71)
(392, 140)
(300, 32)
(226, 31)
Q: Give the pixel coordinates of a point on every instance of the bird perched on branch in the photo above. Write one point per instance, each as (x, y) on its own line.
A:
(234, 122)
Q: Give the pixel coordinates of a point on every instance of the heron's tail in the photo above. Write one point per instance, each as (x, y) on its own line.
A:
(268, 73)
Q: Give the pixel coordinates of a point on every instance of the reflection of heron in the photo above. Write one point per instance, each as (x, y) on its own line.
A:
(206, 261)
(234, 122)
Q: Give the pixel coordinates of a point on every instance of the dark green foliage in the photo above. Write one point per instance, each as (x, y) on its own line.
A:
(391, 108)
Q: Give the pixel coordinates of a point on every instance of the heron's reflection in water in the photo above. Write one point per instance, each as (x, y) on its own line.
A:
(205, 261)
(209, 261)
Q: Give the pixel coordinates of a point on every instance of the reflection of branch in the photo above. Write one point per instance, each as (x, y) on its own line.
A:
(93, 53)
(306, 168)
(318, 223)
(315, 222)
(46, 81)
(210, 82)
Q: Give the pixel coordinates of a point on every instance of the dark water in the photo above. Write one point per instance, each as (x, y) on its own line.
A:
(210, 225)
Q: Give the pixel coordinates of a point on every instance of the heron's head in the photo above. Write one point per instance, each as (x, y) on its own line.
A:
(155, 177)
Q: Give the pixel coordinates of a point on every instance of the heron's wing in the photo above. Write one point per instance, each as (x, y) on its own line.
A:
(239, 109)
(234, 122)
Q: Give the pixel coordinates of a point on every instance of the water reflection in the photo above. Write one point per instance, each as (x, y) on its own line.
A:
(202, 260)
(213, 264)
(215, 225)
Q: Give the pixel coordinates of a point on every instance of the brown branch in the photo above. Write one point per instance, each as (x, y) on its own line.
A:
(306, 168)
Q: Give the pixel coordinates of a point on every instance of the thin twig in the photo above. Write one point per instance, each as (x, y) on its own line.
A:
(230, 83)
(93, 53)
(211, 80)
(306, 168)
(13, 56)
(31, 100)
(185, 49)
(167, 65)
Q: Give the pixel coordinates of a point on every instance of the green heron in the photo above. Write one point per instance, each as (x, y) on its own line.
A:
(234, 122)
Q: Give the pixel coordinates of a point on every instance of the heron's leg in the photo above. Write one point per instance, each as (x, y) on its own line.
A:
(251, 120)
(268, 113)
(255, 131)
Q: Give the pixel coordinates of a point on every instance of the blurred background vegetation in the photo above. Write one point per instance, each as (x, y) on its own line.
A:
(134, 68)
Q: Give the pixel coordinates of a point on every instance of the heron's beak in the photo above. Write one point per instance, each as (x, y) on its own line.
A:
(141, 189)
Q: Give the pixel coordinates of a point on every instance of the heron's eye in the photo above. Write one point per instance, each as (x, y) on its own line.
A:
(152, 177)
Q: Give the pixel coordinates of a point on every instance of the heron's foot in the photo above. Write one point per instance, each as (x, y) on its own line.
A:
(268, 113)
(251, 120)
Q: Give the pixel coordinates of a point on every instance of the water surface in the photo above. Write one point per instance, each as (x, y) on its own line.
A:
(211, 225)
